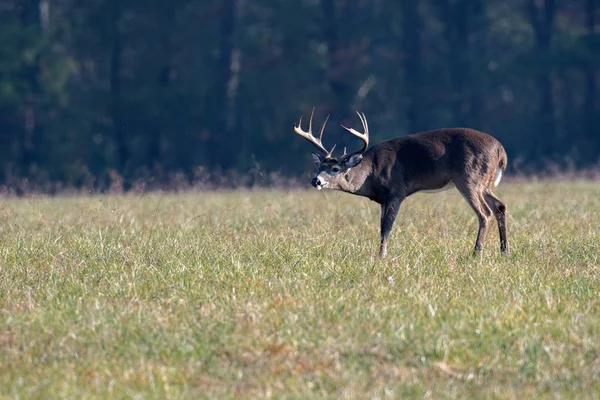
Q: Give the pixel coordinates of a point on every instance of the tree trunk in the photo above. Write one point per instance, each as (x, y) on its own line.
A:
(591, 126)
(541, 14)
(222, 130)
(340, 89)
(45, 17)
(460, 18)
(478, 61)
(29, 15)
(159, 132)
(411, 23)
(460, 65)
(116, 97)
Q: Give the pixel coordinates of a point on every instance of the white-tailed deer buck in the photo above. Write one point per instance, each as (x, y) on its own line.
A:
(390, 171)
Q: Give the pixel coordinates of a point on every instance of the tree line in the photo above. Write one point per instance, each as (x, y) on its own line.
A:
(101, 90)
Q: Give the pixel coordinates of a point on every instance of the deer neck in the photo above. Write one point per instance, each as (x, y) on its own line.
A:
(356, 180)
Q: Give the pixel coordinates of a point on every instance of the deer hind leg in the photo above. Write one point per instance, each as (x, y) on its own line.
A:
(499, 210)
(474, 197)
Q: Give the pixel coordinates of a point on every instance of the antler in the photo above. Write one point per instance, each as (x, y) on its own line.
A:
(362, 136)
(309, 136)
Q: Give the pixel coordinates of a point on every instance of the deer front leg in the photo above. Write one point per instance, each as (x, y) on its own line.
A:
(389, 211)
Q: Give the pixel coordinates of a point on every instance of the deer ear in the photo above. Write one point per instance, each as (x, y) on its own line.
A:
(353, 160)
(316, 158)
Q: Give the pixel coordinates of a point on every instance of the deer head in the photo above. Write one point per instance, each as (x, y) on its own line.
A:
(333, 173)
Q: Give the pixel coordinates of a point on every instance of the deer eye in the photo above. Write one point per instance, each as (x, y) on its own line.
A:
(335, 170)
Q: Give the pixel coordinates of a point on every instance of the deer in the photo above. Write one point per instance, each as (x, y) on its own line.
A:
(469, 160)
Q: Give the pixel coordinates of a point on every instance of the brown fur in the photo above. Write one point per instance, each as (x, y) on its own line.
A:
(393, 170)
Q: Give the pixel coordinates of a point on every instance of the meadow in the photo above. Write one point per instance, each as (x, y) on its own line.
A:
(256, 294)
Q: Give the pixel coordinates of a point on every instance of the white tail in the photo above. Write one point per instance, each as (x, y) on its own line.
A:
(497, 177)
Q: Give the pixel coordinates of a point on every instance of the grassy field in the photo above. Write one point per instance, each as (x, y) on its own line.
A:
(260, 294)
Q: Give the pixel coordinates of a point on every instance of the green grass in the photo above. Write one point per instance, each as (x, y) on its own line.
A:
(258, 294)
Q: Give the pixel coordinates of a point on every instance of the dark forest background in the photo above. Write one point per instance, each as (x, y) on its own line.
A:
(98, 91)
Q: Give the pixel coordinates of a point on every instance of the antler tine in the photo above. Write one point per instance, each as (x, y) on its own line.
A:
(330, 153)
(366, 125)
(312, 113)
(362, 136)
(323, 127)
(309, 136)
(363, 121)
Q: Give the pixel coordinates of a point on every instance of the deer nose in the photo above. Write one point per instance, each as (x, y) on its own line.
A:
(316, 182)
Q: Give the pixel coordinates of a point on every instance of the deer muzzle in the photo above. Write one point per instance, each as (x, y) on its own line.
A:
(318, 183)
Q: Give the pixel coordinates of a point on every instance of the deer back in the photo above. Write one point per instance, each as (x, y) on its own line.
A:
(431, 160)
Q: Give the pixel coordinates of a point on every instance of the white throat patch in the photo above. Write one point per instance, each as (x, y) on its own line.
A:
(347, 175)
